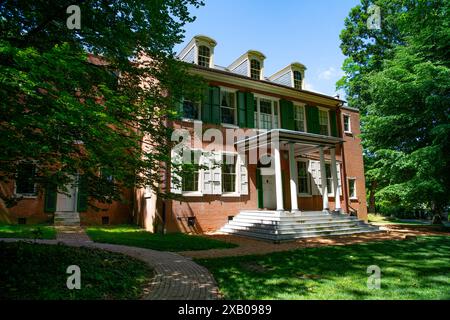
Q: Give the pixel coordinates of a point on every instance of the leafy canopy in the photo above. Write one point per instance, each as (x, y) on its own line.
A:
(73, 101)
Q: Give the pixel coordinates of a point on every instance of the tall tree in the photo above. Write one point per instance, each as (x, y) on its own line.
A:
(72, 100)
(399, 77)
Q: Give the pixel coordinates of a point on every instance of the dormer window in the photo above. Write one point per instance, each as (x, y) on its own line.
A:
(255, 69)
(297, 80)
(204, 55)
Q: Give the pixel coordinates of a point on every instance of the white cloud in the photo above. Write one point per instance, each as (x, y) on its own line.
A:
(328, 74)
(308, 86)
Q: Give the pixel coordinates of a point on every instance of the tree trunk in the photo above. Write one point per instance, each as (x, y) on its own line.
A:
(373, 187)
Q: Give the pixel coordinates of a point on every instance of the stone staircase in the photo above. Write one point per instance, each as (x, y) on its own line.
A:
(276, 227)
(66, 219)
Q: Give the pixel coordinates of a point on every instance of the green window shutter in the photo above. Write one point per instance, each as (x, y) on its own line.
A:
(82, 196)
(206, 106)
(259, 188)
(50, 198)
(312, 119)
(250, 107)
(333, 123)
(287, 115)
(242, 114)
(215, 105)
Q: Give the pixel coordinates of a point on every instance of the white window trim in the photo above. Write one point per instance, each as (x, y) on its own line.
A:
(34, 195)
(199, 192)
(211, 53)
(356, 194)
(249, 68)
(235, 124)
(349, 122)
(258, 98)
(308, 175)
(237, 180)
(328, 119)
(304, 114)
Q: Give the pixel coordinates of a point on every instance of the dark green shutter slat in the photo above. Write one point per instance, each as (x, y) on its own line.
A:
(287, 115)
(333, 124)
(215, 105)
(206, 106)
(82, 196)
(250, 108)
(242, 114)
(50, 199)
(312, 119)
(259, 188)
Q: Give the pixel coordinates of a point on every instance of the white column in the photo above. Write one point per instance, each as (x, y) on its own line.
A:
(323, 177)
(293, 178)
(278, 179)
(337, 195)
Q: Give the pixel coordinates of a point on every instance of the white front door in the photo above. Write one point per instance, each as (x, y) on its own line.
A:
(67, 202)
(269, 193)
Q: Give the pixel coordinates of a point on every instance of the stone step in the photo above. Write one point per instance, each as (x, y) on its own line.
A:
(294, 226)
(295, 231)
(280, 220)
(284, 238)
(66, 219)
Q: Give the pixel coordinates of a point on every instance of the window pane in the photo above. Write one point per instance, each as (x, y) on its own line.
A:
(346, 123)
(299, 118)
(227, 106)
(203, 56)
(255, 69)
(191, 110)
(323, 122)
(297, 80)
(228, 173)
(25, 179)
(303, 177)
(329, 179)
(351, 187)
(190, 173)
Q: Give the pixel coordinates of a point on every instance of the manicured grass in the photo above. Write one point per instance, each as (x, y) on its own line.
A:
(27, 231)
(37, 271)
(380, 219)
(410, 269)
(134, 236)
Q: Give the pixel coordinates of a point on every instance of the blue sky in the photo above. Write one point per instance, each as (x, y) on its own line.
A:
(306, 31)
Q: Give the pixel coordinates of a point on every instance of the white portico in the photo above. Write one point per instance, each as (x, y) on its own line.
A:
(295, 145)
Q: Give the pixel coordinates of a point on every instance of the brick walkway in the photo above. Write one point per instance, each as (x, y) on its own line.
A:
(176, 277)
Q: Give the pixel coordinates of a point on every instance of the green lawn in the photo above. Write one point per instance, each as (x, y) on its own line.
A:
(380, 219)
(129, 235)
(37, 271)
(410, 269)
(27, 231)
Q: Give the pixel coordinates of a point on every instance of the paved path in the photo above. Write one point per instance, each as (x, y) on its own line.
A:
(176, 277)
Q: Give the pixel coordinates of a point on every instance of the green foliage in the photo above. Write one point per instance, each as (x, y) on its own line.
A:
(409, 270)
(399, 77)
(73, 100)
(137, 237)
(27, 274)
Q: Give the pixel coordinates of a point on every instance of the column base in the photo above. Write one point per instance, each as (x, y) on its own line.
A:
(326, 210)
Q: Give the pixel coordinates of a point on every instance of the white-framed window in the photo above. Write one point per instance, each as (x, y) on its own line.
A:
(25, 180)
(297, 80)
(324, 124)
(304, 178)
(191, 110)
(266, 113)
(227, 106)
(255, 69)
(191, 173)
(347, 123)
(329, 179)
(352, 188)
(204, 56)
(229, 173)
(299, 118)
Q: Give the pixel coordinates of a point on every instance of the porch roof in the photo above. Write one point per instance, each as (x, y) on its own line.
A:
(283, 136)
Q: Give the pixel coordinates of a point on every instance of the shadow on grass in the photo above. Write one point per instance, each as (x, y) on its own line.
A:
(409, 270)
